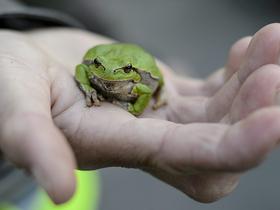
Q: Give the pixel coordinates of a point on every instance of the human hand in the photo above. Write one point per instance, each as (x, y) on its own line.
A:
(194, 144)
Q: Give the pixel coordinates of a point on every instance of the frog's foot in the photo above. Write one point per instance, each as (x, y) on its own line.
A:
(100, 97)
(160, 98)
(84, 84)
(92, 98)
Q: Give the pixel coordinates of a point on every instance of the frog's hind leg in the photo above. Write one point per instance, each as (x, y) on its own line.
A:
(160, 98)
(144, 95)
(84, 84)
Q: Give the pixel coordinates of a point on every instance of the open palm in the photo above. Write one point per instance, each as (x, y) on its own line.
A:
(208, 133)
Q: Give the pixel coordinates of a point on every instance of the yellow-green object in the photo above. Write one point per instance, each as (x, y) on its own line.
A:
(85, 198)
(6, 206)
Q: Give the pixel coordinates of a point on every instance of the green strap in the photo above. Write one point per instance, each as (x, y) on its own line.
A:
(85, 198)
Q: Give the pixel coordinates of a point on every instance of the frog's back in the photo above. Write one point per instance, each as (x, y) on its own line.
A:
(120, 54)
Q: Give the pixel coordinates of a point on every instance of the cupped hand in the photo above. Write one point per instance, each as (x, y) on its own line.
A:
(209, 132)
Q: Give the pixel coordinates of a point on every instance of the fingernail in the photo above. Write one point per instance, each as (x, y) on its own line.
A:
(277, 98)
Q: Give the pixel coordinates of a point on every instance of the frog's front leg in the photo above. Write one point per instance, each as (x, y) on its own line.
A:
(82, 79)
(144, 95)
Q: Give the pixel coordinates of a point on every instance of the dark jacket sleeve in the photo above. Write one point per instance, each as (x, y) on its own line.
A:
(15, 15)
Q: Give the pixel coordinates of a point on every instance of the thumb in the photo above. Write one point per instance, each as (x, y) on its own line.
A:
(33, 142)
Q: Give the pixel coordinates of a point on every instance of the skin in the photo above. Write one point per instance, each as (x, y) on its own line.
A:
(121, 66)
(212, 132)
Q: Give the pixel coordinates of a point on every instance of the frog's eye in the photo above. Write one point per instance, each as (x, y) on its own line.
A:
(128, 68)
(96, 62)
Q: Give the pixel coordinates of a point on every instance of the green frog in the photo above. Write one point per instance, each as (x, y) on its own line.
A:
(121, 73)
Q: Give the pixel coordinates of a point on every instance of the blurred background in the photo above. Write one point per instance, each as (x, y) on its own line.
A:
(193, 37)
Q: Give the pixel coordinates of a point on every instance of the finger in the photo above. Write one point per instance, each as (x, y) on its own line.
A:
(262, 50)
(258, 91)
(189, 87)
(211, 146)
(214, 82)
(249, 141)
(236, 56)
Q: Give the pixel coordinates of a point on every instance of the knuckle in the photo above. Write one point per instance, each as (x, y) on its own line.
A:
(273, 27)
(270, 33)
(238, 48)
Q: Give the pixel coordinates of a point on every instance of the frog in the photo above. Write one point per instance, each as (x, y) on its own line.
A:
(121, 73)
